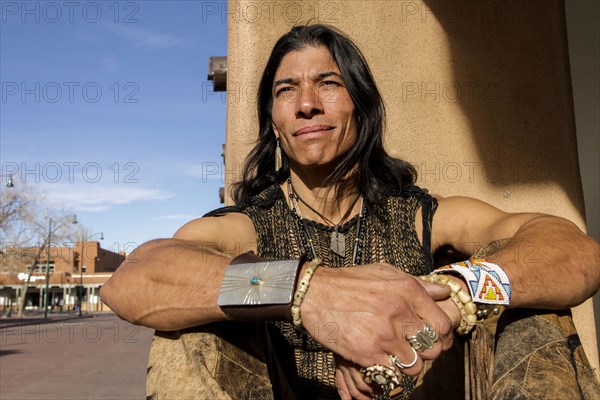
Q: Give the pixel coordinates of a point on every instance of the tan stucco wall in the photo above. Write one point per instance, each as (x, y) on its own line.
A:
(478, 96)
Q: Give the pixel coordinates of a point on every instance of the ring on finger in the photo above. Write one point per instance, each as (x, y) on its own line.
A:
(395, 360)
(423, 339)
(386, 377)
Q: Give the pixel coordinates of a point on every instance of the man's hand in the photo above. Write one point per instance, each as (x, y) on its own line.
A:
(350, 382)
(372, 309)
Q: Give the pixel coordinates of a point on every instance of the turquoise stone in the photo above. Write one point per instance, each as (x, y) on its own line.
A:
(255, 280)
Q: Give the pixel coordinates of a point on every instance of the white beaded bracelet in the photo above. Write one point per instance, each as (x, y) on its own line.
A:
(470, 312)
(301, 291)
(462, 300)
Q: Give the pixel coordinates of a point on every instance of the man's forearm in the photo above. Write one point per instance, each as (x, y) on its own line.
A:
(559, 268)
(167, 284)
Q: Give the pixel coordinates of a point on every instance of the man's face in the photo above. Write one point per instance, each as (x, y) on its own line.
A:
(313, 114)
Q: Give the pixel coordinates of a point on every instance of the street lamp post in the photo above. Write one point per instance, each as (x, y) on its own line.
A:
(9, 180)
(47, 269)
(80, 291)
(48, 244)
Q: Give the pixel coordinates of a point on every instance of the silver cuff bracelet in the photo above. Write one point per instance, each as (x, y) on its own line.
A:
(259, 283)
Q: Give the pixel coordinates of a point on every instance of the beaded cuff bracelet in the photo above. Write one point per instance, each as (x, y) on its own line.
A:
(487, 282)
(470, 312)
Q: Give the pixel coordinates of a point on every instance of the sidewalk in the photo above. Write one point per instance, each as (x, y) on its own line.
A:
(98, 357)
(35, 317)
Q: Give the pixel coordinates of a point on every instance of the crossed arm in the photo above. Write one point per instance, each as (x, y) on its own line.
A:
(170, 284)
(550, 262)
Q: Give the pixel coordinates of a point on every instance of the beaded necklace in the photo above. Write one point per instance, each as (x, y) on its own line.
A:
(338, 244)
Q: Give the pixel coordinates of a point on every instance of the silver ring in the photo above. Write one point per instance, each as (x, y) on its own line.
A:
(423, 339)
(401, 365)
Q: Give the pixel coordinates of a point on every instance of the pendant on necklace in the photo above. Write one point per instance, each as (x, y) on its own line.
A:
(338, 243)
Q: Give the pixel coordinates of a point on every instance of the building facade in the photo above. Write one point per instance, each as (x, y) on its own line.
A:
(75, 275)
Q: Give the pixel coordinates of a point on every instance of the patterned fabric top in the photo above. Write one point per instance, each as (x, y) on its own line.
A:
(389, 236)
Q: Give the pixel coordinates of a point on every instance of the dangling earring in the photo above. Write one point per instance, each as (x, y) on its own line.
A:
(277, 156)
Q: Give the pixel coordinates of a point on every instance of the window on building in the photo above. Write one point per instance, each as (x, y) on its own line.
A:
(41, 267)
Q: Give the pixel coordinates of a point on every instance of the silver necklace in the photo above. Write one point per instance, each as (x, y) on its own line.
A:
(338, 239)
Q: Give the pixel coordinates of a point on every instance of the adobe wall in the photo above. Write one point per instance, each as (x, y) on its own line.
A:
(478, 96)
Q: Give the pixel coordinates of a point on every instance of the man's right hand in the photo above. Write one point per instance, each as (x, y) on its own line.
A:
(371, 309)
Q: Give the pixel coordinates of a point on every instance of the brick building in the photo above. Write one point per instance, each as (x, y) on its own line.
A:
(85, 265)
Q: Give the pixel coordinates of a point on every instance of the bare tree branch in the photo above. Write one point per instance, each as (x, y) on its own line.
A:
(24, 232)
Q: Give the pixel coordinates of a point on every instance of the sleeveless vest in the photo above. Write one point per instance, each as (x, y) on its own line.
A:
(388, 235)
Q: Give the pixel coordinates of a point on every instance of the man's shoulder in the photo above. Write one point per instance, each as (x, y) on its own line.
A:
(266, 198)
(221, 231)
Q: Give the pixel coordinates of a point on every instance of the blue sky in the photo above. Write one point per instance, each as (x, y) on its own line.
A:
(106, 107)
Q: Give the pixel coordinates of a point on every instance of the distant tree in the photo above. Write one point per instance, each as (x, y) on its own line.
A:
(28, 226)
(18, 205)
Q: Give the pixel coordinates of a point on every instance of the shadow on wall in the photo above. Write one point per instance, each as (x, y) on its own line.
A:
(510, 62)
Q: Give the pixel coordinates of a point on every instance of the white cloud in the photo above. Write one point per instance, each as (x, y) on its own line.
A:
(100, 197)
(93, 208)
(143, 37)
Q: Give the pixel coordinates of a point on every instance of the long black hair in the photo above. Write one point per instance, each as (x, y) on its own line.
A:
(378, 174)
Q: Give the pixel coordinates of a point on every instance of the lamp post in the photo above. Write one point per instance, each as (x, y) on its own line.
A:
(9, 185)
(80, 291)
(74, 221)
(9, 180)
(47, 268)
